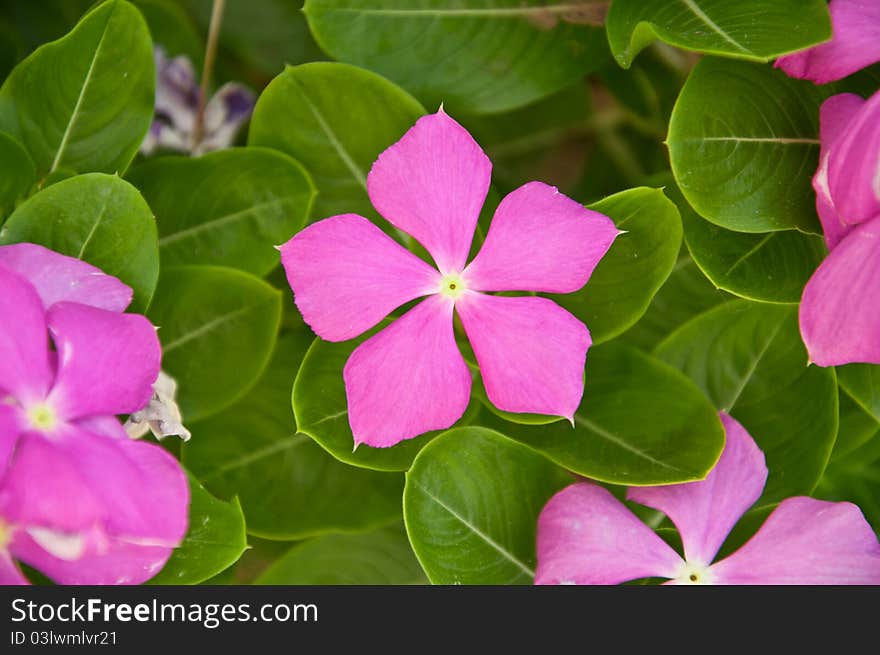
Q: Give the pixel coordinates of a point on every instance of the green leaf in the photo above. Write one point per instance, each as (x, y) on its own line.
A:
(749, 359)
(771, 267)
(686, 293)
(321, 410)
(747, 29)
(335, 119)
(289, 487)
(381, 557)
(215, 540)
(636, 266)
(84, 102)
(172, 29)
(855, 477)
(98, 218)
(743, 146)
(641, 422)
(17, 174)
(862, 382)
(226, 208)
(857, 426)
(471, 507)
(218, 328)
(478, 56)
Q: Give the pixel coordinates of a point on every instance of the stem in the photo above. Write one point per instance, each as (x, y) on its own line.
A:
(210, 57)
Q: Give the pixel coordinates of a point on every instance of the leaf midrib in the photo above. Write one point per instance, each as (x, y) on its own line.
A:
(479, 533)
(82, 92)
(208, 327)
(608, 436)
(218, 221)
(711, 24)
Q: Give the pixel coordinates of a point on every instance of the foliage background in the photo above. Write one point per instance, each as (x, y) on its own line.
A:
(696, 308)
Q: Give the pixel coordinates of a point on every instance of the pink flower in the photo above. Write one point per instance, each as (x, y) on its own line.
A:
(854, 45)
(587, 536)
(840, 308)
(79, 500)
(347, 275)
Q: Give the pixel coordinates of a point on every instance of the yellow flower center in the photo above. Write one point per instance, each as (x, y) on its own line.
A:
(452, 286)
(42, 417)
(694, 574)
(5, 535)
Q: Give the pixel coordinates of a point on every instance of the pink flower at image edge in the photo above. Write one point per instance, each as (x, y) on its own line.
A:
(855, 44)
(79, 500)
(840, 307)
(587, 536)
(410, 378)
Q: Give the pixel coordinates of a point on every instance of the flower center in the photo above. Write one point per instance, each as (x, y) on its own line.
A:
(5, 534)
(42, 417)
(452, 286)
(695, 574)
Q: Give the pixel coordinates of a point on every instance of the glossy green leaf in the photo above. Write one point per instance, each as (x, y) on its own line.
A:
(17, 174)
(857, 426)
(476, 56)
(685, 294)
(218, 328)
(226, 208)
(855, 477)
(771, 267)
(746, 29)
(381, 557)
(84, 102)
(335, 119)
(471, 507)
(636, 266)
(321, 410)
(749, 359)
(641, 422)
(98, 218)
(215, 540)
(743, 142)
(862, 382)
(289, 487)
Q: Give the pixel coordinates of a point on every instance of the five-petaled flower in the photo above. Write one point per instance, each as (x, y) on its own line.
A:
(79, 500)
(177, 102)
(587, 536)
(840, 308)
(347, 275)
(855, 44)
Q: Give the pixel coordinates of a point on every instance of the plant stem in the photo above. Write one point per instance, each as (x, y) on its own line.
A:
(208, 68)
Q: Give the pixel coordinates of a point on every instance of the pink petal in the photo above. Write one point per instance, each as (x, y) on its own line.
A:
(540, 240)
(806, 541)
(93, 509)
(432, 184)
(704, 512)
(10, 428)
(107, 362)
(587, 536)
(840, 308)
(835, 115)
(143, 490)
(854, 45)
(10, 574)
(103, 560)
(408, 379)
(530, 350)
(854, 165)
(25, 372)
(43, 487)
(58, 277)
(347, 275)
